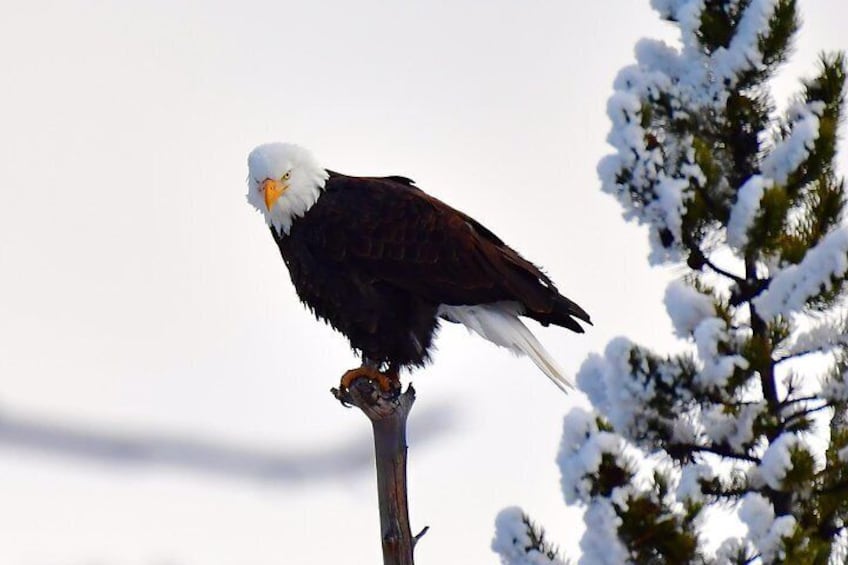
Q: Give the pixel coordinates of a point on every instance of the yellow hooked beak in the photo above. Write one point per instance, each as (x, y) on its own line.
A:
(273, 189)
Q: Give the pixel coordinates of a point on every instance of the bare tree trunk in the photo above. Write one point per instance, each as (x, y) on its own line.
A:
(388, 412)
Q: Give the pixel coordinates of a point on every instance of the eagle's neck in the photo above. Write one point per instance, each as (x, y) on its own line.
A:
(297, 201)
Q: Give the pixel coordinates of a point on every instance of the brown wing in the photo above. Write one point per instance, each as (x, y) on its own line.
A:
(392, 232)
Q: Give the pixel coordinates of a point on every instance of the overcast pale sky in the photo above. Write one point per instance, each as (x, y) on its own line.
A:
(163, 395)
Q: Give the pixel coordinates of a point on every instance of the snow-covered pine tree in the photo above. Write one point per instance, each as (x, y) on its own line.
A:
(753, 418)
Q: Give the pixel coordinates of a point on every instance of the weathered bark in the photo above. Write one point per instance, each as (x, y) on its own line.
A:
(388, 412)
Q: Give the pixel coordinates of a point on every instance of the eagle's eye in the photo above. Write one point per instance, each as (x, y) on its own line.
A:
(286, 176)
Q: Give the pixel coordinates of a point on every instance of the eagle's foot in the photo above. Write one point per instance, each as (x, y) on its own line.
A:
(388, 382)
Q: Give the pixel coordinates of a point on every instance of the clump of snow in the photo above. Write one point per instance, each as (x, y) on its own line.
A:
(688, 15)
(591, 379)
(735, 430)
(743, 53)
(512, 541)
(842, 454)
(717, 368)
(622, 385)
(793, 286)
(689, 486)
(686, 307)
(729, 551)
(672, 194)
(603, 380)
(792, 151)
(620, 497)
(764, 531)
(581, 452)
(777, 460)
(745, 210)
(600, 543)
(619, 386)
(836, 389)
(822, 337)
(684, 430)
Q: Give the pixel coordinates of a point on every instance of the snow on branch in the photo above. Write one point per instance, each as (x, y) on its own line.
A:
(822, 338)
(689, 490)
(721, 68)
(745, 210)
(734, 429)
(649, 399)
(618, 389)
(686, 13)
(777, 460)
(600, 543)
(584, 449)
(835, 388)
(784, 159)
(520, 542)
(764, 530)
(687, 307)
(623, 386)
(791, 152)
(743, 54)
(794, 286)
(711, 336)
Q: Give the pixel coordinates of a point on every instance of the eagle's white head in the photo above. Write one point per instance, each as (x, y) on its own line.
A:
(284, 181)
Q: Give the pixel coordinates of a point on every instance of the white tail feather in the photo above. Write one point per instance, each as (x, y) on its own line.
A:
(499, 323)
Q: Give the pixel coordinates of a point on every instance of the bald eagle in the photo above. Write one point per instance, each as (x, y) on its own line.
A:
(383, 262)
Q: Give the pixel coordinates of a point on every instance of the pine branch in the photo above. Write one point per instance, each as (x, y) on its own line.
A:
(732, 494)
(736, 278)
(801, 414)
(682, 451)
(797, 355)
(790, 401)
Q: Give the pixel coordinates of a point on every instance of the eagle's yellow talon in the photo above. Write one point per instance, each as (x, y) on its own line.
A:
(386, 382)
